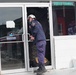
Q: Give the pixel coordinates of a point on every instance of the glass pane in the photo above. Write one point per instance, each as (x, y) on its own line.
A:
(8, 32)
(64, 18)
(42, 16)
(12, 56)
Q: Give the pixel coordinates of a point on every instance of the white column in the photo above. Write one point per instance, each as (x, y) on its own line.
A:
(0, 59)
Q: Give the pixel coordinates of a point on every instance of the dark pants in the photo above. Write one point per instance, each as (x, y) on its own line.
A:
(41, 47)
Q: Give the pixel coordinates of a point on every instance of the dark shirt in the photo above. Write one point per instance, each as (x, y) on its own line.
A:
(37, 31)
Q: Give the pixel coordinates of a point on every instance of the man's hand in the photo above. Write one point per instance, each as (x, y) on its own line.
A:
(32, 38)
(30, 27)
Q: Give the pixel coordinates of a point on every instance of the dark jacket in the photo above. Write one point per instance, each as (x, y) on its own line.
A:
(37, 31)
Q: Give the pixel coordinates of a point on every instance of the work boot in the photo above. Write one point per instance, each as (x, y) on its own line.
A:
(39, 73)
(43, 69)
(38, 70)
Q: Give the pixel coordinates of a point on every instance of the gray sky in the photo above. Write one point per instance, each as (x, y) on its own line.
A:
(9, 13)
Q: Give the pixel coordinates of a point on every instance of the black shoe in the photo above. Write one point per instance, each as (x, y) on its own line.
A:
(41, 71)
(38, 70)
(44, 70)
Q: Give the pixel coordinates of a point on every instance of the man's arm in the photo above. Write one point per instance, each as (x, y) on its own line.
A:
(35, 31)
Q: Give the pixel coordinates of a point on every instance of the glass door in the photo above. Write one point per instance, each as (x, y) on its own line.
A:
(41, 11)
(12, 39)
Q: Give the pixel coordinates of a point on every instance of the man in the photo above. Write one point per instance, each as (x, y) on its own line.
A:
(38, 38)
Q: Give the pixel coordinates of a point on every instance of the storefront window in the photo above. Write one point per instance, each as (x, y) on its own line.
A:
(12, 56)
(11, 42)
(64, 18)
(8, 16)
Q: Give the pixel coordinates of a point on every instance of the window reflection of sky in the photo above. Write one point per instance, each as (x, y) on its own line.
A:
(9, 13)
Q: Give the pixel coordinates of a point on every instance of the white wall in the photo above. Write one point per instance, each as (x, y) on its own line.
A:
(65, 50)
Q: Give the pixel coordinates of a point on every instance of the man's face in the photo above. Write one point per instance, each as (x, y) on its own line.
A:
(30, 19)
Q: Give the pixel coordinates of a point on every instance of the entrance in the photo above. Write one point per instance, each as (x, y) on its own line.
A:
(42, 15)
(18, 53)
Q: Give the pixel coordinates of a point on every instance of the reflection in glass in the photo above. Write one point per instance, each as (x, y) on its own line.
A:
(10, 24)
(11, 14)
(12, 53)
(64, 16)
(12, 56)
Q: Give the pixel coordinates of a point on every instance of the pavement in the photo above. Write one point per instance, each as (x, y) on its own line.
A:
(71, 71)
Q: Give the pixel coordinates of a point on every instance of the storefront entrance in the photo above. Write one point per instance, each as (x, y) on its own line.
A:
(17, 52)
(42, 15)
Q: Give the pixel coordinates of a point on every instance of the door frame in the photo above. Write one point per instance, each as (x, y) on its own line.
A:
(49, 6)
(22, 69)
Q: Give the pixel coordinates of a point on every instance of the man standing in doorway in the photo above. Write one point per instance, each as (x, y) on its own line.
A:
(38, 37)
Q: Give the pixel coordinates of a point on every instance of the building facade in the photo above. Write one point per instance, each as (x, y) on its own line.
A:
(18, 54)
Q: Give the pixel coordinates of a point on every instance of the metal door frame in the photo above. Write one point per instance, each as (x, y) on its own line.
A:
(49, 6)
(24, 40)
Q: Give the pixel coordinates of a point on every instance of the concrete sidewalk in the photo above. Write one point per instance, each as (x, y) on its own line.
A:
(51, 72)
